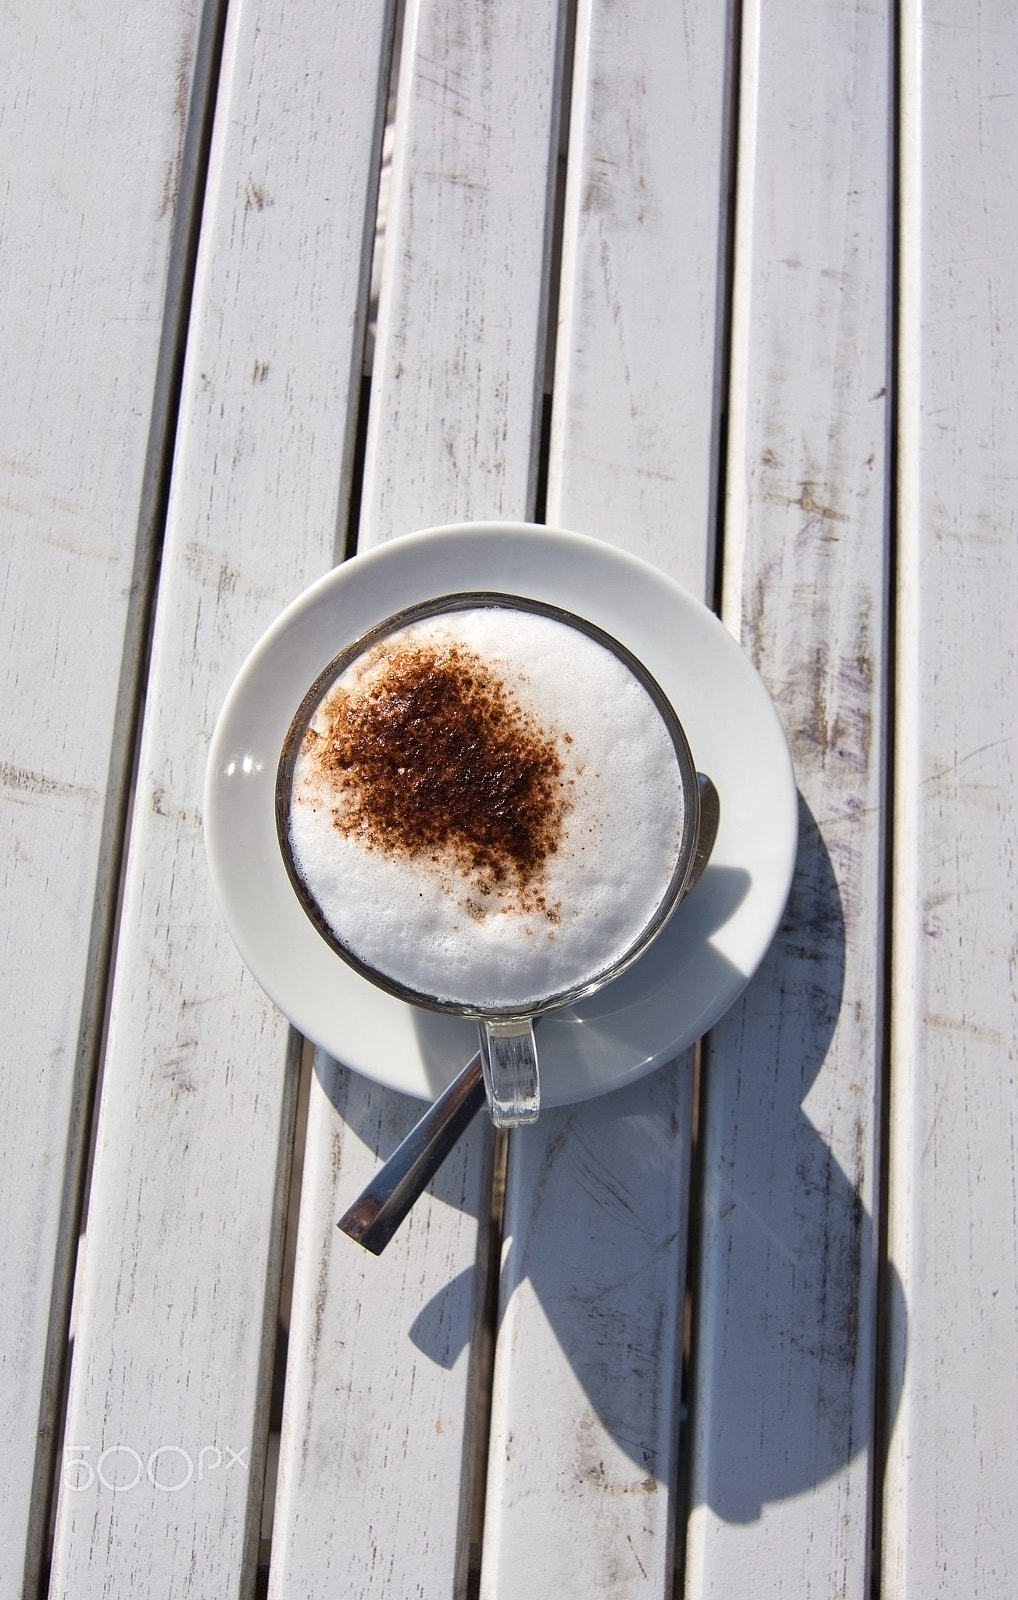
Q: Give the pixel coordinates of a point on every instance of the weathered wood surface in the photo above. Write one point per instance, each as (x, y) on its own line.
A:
(179, 1278)
(179, 1286)
(94, 131)
(582, 1488)
(784, 1332)
(951, 1505)
(640, 373)
(459, 359)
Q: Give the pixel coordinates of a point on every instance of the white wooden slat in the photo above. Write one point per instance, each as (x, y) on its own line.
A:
(582, 1482)
(180, 1275)
(378, 1441)
(452, 429)
(782, 1407)
(951, 1500)
(637, 403)
(582, 1463)
(459, 360)
(92, 126)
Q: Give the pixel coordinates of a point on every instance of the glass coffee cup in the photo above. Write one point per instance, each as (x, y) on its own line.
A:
(488, 807)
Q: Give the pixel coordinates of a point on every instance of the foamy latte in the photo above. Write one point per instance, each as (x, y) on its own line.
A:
(486, 805)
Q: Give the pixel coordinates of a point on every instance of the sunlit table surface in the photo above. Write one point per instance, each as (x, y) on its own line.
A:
(732, 287)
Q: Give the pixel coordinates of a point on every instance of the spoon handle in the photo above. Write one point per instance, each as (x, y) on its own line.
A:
(377, 1213)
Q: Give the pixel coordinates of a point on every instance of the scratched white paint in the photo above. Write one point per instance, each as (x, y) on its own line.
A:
(180, 1277)
(459, 358)
(583, 1463)
(92, 112)
(784, 1331)
(951, 1507)
(637, 402)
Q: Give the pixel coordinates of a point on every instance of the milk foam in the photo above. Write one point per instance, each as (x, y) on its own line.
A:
(425, 926)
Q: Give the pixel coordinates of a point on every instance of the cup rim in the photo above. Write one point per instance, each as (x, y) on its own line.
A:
(465, 600)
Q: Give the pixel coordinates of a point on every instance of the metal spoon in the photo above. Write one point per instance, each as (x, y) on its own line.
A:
(377, 1213)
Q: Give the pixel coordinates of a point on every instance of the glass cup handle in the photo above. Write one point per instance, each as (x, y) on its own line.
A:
(509, 1064)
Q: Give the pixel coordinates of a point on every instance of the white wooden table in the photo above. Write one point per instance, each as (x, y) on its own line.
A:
(735, 287)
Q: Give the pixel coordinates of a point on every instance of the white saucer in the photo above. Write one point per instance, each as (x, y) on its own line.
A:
(713, 943)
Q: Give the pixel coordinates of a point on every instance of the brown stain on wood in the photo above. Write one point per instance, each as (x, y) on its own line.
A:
(256, 196)
(814, 507)
(837, 699)
(210, 570)
(186, 816)
(25, 782)
(181, 100)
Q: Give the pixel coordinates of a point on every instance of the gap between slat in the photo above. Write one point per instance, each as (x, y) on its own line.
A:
(701, 1054)
(883, 1402)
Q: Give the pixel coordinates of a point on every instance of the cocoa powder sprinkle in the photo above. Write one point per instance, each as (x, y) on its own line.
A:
(430, 757)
